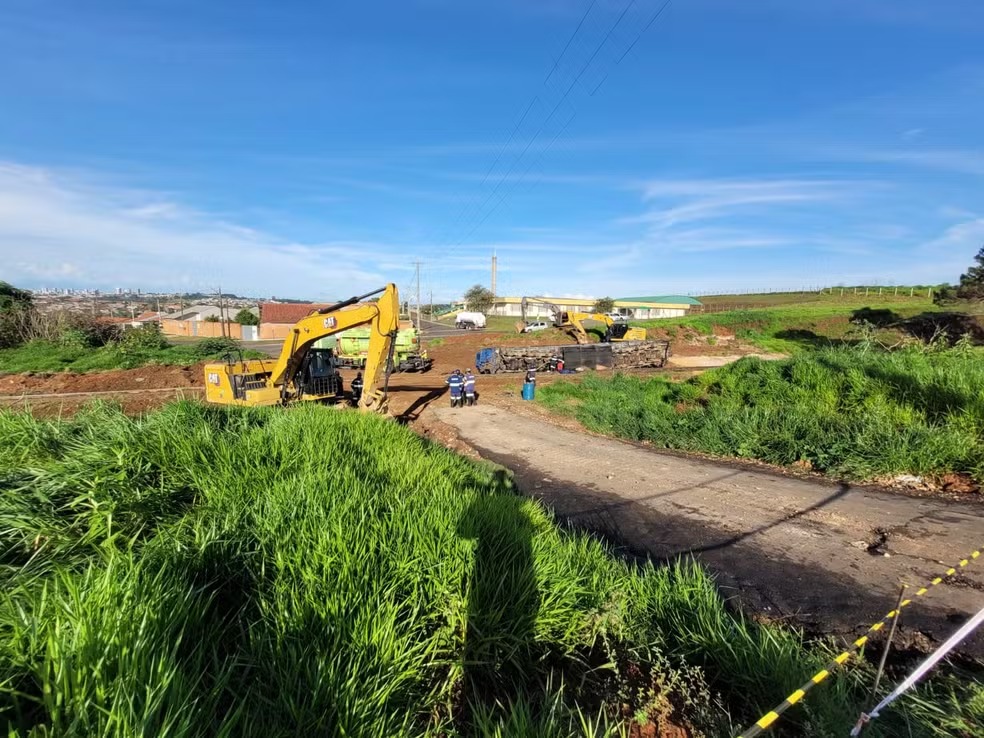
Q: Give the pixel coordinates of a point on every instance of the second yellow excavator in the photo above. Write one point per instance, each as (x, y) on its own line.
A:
(614, 331)
(574, 323)
(304, 371)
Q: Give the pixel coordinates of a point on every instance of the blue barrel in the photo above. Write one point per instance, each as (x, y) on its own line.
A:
(529, 389)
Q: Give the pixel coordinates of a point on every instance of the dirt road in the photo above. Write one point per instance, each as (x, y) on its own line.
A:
(805, 551)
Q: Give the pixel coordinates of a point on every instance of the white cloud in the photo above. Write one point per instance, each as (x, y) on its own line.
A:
(960, 161)
(958, 240)
(66, 230)
(60, 228)
(687, 201)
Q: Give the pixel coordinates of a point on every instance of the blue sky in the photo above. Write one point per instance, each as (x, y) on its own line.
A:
(313, 149)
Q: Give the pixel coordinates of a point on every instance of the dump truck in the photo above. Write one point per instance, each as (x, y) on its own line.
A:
(352, 349)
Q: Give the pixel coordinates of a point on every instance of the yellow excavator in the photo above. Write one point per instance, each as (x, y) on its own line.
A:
(305, 371)
(614, 331)
(574, 323)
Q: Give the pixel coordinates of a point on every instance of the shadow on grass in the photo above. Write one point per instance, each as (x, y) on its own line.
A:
(503, 596)
(926, 327)
(934, 399)
(950, 326)
(810, 340)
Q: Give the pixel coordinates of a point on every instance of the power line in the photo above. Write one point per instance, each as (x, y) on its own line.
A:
(478, 213)
(469, 206)
(568, 44)
(643, 31)
(465, 207)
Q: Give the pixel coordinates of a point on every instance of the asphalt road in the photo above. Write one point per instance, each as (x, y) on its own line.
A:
(434, 329)
(829, 557)
(271, 348)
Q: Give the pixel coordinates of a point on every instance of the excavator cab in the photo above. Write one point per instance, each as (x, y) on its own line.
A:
(318, 375)
(615, 332)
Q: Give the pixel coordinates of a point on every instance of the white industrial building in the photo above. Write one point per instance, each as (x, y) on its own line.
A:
(638, 308)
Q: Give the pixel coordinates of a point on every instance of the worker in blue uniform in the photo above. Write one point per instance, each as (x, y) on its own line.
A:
(470, 397)
(456, 383)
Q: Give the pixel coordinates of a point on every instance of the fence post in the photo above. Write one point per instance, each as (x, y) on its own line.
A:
(912, 291)
(865, 291)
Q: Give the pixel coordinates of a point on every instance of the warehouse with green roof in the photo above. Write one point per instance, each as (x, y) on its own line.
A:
(659, 306)
(639, 308)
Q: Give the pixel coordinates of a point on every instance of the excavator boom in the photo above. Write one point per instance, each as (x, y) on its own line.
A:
(552, 310)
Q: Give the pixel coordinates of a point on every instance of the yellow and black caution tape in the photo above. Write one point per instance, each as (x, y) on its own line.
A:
(766, 721)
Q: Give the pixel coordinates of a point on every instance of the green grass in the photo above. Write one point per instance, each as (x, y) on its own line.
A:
(852, 413)
(782, 328)
(206, 571)
(503, 323)
(43, 356)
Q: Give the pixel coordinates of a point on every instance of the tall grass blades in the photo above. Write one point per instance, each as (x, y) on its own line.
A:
(232, 572)
(861, 415)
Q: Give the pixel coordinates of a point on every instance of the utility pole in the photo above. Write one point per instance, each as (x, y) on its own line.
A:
(222, 325)
(418, 294)
(432, 305)
(494, 269)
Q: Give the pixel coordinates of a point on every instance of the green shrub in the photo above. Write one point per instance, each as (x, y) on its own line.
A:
(209, 348)
(147, 337)
(74, 338)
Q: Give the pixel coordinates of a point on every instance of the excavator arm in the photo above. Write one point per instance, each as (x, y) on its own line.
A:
(575, 321)
(257, 383)
(552, 309)
(379, 361)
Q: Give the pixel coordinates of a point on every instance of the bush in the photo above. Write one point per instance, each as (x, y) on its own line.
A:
(211, 347)
(15, 307)
(147, 337)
